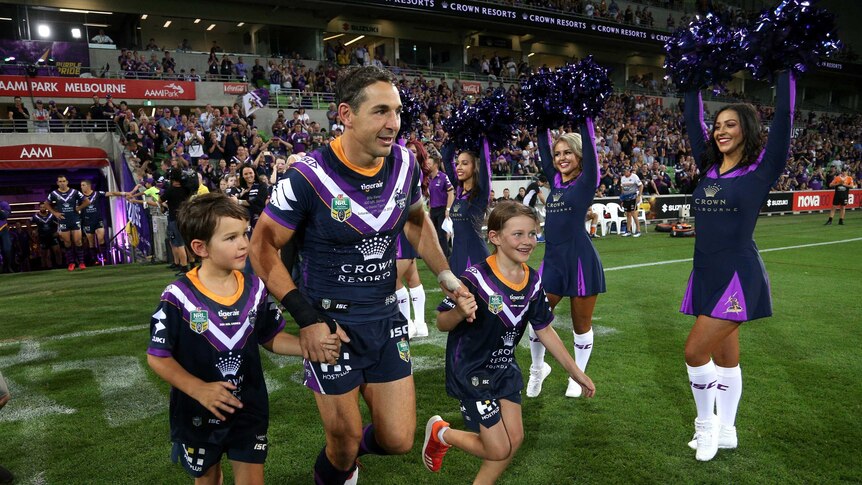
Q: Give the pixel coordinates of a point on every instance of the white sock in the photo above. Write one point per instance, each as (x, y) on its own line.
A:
(583, 349)
(537, 350)
(417, 297)
(403, 301)
(729, 391)
(440, 435)
(703, 384)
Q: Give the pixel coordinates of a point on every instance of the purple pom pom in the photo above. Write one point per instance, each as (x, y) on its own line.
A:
(593, 88)
(706, 53)
(567, 95)
(411, 109)
(492, 117)
(793, 35)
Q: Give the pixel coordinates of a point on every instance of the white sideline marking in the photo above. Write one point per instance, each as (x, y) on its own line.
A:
(86, 333)
(657, 263)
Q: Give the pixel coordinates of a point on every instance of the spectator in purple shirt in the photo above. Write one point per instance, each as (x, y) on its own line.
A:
(298, 138)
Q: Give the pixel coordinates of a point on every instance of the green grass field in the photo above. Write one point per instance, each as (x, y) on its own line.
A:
(86, 408)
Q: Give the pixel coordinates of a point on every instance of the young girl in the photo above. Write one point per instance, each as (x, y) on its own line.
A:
(481, 371)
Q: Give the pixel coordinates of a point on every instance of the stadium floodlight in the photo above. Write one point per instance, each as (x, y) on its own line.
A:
(144, 16)
(197, 21)
(333, 37)
(6, 18)
(167, 24)
(9, 60)
(76, 33)
(240, 24)
(73, 10)
(43, 30)
(531, 54)
(212, 26)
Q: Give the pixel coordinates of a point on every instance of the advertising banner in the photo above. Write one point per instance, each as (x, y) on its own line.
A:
(812, 200)
(235, 89)
(69, 57)
(471, 87)
(58, 87)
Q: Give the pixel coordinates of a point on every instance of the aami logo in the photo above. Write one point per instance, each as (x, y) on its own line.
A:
(171, 90)
(809, 201)
(37, 152)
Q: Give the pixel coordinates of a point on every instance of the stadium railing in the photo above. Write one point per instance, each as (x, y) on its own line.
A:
(57, 126)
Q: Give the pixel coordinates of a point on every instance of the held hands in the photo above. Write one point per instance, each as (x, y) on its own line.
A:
(217, 397)
(467, 306)
(319, 344)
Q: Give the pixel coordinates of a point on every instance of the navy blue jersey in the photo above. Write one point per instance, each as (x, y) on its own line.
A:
(729, 280)
(571, 266)
(348, 222)
(480, 356)
(93, 212)
(66, 203)
(468, 217)
(46, 224)
(215, 339)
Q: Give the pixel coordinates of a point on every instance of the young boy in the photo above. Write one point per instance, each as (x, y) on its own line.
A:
(203, 341)
(481, 371)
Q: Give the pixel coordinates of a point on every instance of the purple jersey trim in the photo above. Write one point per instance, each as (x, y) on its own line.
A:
(159, 352)
(278, 219)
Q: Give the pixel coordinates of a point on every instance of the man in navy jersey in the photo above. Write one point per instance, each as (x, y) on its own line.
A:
(348, 202)
(46, 229)
(92, 221)
(66, 203)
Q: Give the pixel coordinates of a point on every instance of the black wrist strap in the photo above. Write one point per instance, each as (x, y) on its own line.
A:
(303, 313)
(299, 309)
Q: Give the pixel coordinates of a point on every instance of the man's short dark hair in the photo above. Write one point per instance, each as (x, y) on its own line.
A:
(198, 217)
(352, 81)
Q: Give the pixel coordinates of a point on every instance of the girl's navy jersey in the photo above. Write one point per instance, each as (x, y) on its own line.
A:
(46, 224)
(480, 356)
(348, 219)
(468, 216)
(571, 266)
(93, 212)
(729, 280)
(216, 338)
(66, 203)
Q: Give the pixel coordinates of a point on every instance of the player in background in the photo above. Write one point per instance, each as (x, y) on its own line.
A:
(92, 221)
(481, 371)
(66, 203)
(46, 231)
(842, 183)
(632, 191)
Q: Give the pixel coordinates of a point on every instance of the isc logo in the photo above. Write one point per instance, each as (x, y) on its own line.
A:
(260, 446)
(809, 201)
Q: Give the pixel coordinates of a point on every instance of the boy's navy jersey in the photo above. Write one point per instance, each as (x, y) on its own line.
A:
(480, 356)
(349, 220)
(65, 203)
(571, 266)
(728, 280)
(468, 216)
(215, 338)
(93, 212)
(46, 224)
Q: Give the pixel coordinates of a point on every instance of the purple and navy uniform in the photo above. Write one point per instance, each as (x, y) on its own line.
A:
(91, 216)
(480, 356)
(46, 228)
(468, 216)
(216, 338)
(65, 203)
(571, 266)
(348, 220)
(729, 281)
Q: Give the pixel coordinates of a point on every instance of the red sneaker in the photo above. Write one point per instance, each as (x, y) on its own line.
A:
(82, 266)
(72, 267)
(433, 450)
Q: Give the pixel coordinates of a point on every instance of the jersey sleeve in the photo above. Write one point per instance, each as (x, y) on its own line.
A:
(165, 326)
(291, 200)
(540, 314)
(269, 320)
(698, 134)
(546, 154)
(778, 144)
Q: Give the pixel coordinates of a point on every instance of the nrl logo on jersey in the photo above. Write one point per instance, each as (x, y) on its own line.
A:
(495, 304)
(199, 321)
(340, 208)
(400, 199)
(403, 350)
